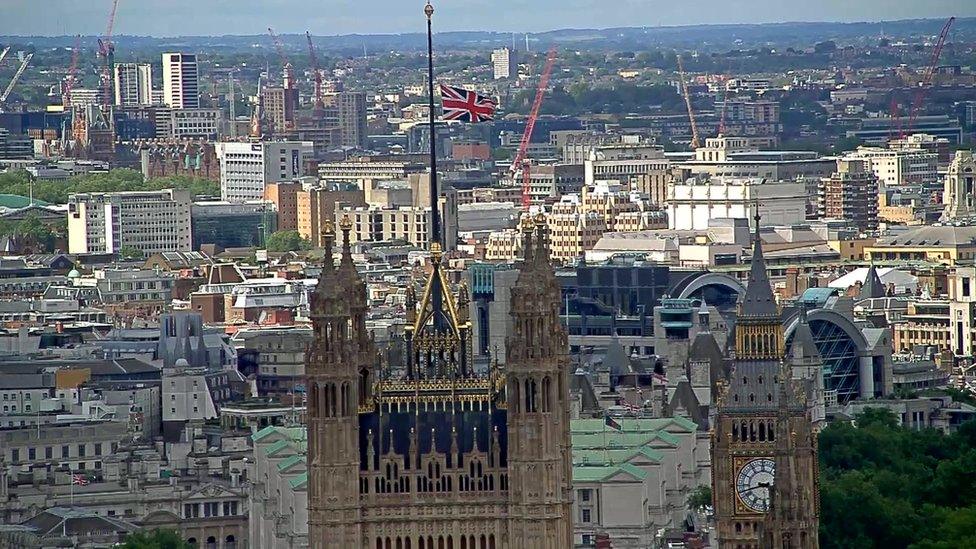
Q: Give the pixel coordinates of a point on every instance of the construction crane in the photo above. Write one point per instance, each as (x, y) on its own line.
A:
(691, 112)
(520, 157)
(721, 120)
(72, 75)
(17, 75)
(280, 47)
(926, 82)
(3, 54)
(319, 102)
(106, 49)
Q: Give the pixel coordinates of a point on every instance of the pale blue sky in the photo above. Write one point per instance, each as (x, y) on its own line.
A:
(322, 17)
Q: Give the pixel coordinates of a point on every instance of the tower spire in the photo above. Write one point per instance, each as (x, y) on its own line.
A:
(758, 300)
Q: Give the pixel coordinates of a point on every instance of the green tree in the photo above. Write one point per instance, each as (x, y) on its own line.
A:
(700, 498)
(156, 539)
(131, 252)
(287, 241)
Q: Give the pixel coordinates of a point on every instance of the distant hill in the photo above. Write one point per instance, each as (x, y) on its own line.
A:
(699, 37)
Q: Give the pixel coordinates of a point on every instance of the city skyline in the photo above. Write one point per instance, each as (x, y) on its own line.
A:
(167, 19)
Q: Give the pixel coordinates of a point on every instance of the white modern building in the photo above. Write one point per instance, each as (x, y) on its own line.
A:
(133, 84)
(150, 221)
(900, 167)
(504, 64)
(246, 168)
(181, 81)
(693, 202)
(195, 123)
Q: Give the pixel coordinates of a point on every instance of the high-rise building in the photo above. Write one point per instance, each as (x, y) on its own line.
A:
(279, 104)
(149, 221)
(504, 63)
(475, 458)
(133, 84)
(960, 187)
(284, 196)
(764, 444)
(247, 168)
(181, 81)
(692, 203)
(850, 193)
(349, 109)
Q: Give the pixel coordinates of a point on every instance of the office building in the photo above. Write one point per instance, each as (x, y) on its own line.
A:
(148, 221)
(284, 197)
(133, 84)
(232, 224)
(195, 123)
(316, 206)
(504, 63)
(895, 168)
(247, 168)
(692, 203)
(351, 116)
(639, 167)
(181, 81)
(851, 194)
(279, 103)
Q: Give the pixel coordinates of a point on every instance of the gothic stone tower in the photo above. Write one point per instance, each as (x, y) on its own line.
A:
(434, 453)
(539, 463)
(764, 447)
(335, 361)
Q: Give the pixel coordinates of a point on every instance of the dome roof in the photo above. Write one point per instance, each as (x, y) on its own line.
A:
(74, 273)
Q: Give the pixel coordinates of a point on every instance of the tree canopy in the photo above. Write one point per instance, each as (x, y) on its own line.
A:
(287, 241)
(156, 539)
(883, 485)
(18, 182)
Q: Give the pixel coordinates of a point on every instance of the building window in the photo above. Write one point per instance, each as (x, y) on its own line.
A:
(48, 452)
(585, 516)
(98, 448)
(31, 454)
(82, 450)
(965, 287)
(15, 455)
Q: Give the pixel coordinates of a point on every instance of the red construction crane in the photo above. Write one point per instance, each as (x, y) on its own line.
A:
(520, 160)
(106, 49)
(72, 75)
(279, 46)
(319, 103)
(927, 78)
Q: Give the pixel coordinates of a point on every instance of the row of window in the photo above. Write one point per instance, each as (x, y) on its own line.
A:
(48, 452)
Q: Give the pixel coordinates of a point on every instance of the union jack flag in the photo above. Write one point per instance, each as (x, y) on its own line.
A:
(466, 105)
(79, 480)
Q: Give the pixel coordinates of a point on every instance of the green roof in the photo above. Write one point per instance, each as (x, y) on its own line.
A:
(297, 458)
(628, 425)
(296, 434)
(595, 474)
(281, 445)
(299, 481)
(16, 202)
(617, 456)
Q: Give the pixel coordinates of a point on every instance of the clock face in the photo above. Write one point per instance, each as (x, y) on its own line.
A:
(754, 483)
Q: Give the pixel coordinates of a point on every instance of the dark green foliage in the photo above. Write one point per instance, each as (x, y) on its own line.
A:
(156, 539)
(886, 486)
(287, 241)
(700, 498)
(34, 234)
(18, 182)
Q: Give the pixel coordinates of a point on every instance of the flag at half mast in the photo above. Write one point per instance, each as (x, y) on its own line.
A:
(466, 105)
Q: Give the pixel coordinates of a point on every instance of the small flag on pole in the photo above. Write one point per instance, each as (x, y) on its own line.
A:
(466, 105)
(610, 422)
(79, 480)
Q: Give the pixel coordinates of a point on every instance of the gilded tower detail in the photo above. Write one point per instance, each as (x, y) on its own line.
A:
(764, 445)
(433, 452)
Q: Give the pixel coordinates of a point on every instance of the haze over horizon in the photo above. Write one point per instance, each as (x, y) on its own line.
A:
(163, 18)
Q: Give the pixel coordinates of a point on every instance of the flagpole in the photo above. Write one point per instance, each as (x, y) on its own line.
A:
(435, 225)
